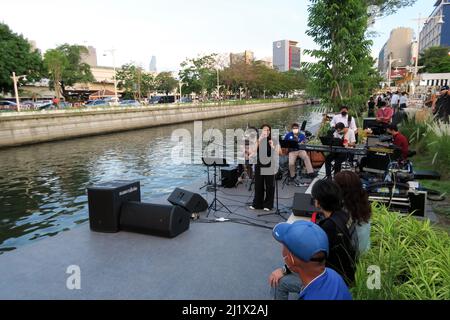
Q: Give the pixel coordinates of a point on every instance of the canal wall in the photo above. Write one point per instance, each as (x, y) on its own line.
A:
(36, 127)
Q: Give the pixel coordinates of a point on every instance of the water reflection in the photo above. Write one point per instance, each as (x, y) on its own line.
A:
(42, 187)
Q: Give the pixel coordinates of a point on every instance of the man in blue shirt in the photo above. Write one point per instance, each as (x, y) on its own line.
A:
(294, 153)
(305, 249)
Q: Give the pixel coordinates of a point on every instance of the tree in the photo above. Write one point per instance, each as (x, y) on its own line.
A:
(16, 55)
(55, 62)
(134, 81)
(165, 82)
(345, 70)
(198, 75)
(388, 7)
(73, 70)
(435, 60)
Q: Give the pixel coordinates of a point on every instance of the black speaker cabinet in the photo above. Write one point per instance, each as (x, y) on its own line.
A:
(418, 201)
(303, 205)
(229, 176)
(192, 202)
(105, 202)
(154, 219)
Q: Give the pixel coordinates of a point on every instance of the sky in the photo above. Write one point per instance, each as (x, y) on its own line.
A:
(173, 30)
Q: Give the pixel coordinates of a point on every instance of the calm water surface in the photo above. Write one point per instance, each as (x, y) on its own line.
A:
(43, 187)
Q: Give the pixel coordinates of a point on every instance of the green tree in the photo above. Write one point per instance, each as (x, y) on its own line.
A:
(55, 62)
(73, 70)
(134, 81)
(16, 55)
(388, 7)
(165, 82)
(345, 69)
(435, 60)
(198, 75)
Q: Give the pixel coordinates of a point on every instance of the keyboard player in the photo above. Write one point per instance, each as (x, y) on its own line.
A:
(349, 141)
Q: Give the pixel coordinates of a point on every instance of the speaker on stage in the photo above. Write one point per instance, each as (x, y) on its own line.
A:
(191, 202)
(154, 219)
(229, 176)
(105, 202)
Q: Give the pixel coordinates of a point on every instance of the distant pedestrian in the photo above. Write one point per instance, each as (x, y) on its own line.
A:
(55, 102)
(395, 101)
(371, 108)
(404, 101)
(442, 109)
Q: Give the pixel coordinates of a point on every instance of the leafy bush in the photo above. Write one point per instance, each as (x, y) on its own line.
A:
(414, 259)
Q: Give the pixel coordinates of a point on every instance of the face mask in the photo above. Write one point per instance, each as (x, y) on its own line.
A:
(296, 131)
(344, 113)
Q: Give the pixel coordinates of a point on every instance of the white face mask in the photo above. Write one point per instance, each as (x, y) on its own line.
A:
(296, 131)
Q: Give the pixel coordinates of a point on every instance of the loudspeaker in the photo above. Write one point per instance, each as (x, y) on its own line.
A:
(154, 219)
(229, 176)
(303, 205)
(105, 202)
(418, 201)
(191, 202)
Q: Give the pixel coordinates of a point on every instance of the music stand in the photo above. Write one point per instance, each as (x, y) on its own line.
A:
(215, 162)
(288, 144)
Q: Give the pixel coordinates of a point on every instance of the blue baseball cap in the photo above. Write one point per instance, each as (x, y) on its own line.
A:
(303, 239)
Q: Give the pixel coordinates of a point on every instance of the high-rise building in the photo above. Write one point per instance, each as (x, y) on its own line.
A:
(152, 67)
(396, 50)
(90, 57)
(286, 55)
(436, 31)
(246, 57)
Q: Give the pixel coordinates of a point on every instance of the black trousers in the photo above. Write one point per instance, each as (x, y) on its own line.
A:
(338, 159)
(264, 191)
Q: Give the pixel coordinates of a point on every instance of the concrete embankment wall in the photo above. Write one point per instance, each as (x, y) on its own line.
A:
(36, 127)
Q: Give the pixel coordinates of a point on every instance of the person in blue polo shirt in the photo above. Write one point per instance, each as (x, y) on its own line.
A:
(305, 250)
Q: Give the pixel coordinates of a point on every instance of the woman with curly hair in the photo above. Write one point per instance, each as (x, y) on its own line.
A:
(356, 202)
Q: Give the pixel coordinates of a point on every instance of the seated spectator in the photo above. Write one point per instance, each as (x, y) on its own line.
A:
(336, 224)
(356, 202)
(305, 250)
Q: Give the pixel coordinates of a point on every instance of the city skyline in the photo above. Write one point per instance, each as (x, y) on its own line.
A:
(184, 33)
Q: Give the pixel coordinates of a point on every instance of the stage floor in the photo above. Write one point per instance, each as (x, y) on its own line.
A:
(212, 260)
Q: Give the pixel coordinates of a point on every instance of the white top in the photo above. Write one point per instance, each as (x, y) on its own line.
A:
(349, 137)
(403, 100)
(395, 99)
(339, 118)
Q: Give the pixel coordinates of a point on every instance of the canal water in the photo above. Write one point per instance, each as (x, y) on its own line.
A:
(43, 187)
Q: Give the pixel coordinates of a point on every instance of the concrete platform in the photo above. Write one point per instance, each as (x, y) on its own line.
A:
(213, 260)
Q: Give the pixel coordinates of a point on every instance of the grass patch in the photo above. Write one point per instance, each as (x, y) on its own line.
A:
(413, 256)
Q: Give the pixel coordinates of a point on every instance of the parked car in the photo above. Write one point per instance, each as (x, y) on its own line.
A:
(8, 105)
(97, 103)
(43, 104)
(186, 100)
(65, 105)
(162, 99)
(130, 103)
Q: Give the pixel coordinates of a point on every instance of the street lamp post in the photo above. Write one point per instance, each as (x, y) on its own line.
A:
(113, 54)
(391, 61)
(16, 90)
(181, 86)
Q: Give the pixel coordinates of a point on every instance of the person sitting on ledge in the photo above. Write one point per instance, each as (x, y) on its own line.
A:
(295, 153)
(305, 251)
